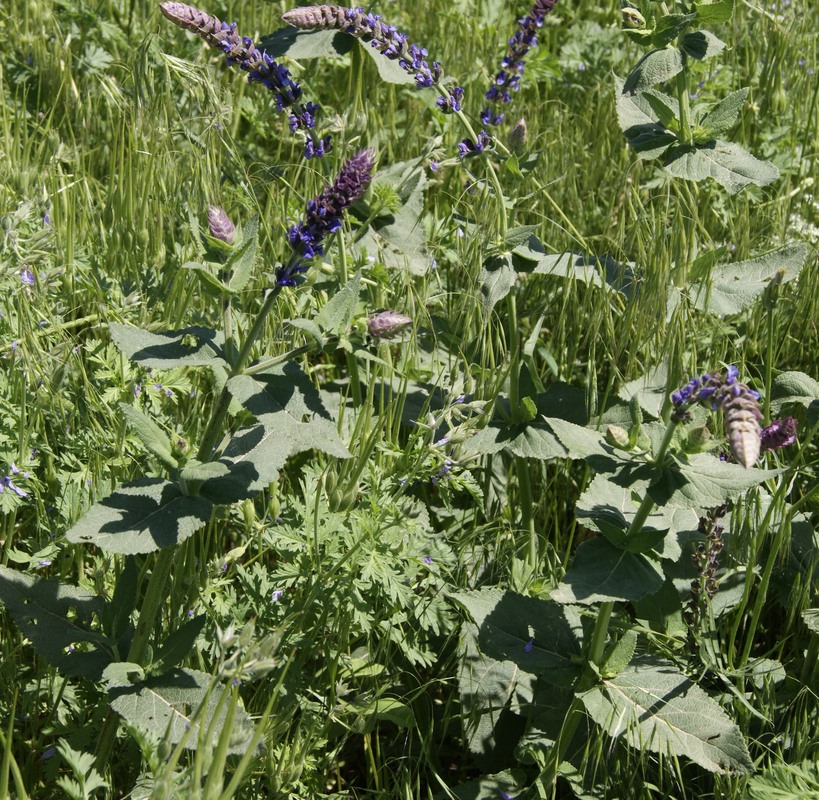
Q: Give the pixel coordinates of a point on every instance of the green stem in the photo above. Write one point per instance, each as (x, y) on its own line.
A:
(683, 104)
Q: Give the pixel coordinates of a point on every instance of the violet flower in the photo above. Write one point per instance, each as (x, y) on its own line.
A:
(385, 38)
(513, 64)
(258, 65)
(739, 406)
(466, 147)
(324, 215)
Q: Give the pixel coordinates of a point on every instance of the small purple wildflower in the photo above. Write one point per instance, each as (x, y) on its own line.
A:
(44, 562)
(434, 166)
(368, 27)
(277, 595)
(46, 219)
(324, 215)
(529, 646)
(427, 559)
(513, 63)
(318, 148)
(27, 276)
(467, 147)
(137, 389)
(220, 225)
(452, 101)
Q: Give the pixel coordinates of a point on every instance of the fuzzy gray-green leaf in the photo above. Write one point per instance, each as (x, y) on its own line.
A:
(189, 347)
(152, 437)
(140, 517)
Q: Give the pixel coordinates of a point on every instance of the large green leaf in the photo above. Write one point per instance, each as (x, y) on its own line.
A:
(708, 13)
(167, 705)
(602, 572)
(488, 787)
(733, 287)
(657, 708)
(306, 44)
(335, 316)
(497, 278)
(654, 67)
(140, 517)
(702, 44)
(721, 118)
(190, 347)
(56, 617)
(291, 420)
(532, 440)
(726, 162)
(494, 696)
(703, 481)
(533, 633)
(796, 388)
(389, 69)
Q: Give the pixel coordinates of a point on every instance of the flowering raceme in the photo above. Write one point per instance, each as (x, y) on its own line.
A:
(259, 66)
(513, 64)
(739, 406)
(385, 38)
(324, 215)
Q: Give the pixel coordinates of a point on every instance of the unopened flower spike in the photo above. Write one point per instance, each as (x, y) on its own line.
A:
(738, 403)
(387, 324)
(258, 65)
(324, 215)
(385, 38)
(513, 63)
(220, 225)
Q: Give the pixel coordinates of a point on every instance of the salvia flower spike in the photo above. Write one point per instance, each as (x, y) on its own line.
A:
(513, 63)
(739, 406)
(220, 225)
(385, 38)
(324, 215)
(258, 65)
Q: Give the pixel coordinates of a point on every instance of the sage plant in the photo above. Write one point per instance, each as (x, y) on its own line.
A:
(259, 66)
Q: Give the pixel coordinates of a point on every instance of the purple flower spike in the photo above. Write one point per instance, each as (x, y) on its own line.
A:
(513, 63)
(324, 215)
(387, 39)
(387, 324)
(452, 102)
(240, 50)
(220, 225)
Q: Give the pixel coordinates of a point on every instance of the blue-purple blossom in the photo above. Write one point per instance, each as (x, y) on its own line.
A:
(368, 27)
(513, 63)
(529, 646)
(324, 215)
(27, 276)
(317, 148)
(466, 147)
(452, 101)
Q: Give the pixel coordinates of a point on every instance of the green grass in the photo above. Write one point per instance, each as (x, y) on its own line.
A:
(118, 129)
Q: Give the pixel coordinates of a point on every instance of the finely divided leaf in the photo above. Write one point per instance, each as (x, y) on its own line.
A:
(657, 708)
(140, 517)
(56, 618)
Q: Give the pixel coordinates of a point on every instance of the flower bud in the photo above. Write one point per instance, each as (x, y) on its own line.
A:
(632, 18)
(617, 437)
(220, 225)
(518, 137)
(387, 324)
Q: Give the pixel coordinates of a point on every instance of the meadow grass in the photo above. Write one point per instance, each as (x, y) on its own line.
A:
(330, 605)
